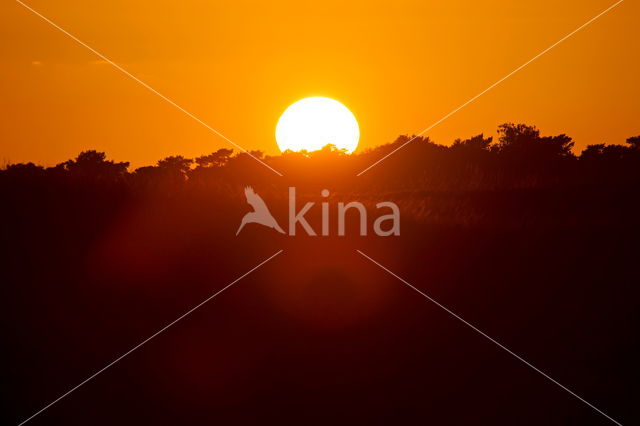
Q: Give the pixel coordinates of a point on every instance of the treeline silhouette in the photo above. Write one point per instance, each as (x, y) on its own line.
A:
(529, 241)
(520, 157)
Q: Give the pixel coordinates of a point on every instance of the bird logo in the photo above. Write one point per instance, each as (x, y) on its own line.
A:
(260, 213)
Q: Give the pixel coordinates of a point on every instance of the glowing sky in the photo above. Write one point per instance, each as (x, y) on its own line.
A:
(398, 66)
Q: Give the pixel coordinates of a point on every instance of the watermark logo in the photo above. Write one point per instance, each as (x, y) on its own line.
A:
(384, 225)
(260, 213)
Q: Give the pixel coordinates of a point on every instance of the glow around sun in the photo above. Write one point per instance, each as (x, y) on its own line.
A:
(312, 123)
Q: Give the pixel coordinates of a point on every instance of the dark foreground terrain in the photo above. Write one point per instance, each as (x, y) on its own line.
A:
(97, 259)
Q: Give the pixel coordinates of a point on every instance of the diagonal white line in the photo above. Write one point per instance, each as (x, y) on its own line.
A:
(490, 338)
(492, 86)
(128, 74)
(150, 337)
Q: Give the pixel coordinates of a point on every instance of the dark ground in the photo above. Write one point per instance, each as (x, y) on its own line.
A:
(318, 335)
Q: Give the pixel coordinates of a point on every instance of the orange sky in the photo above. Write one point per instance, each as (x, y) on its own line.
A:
(399, 66)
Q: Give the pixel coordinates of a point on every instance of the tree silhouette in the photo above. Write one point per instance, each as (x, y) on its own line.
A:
(473, 144)
(603, 152)
(521, 141)
(634, 143)
(175, 164)
(94, 164)
(218, 158)
(28, 170)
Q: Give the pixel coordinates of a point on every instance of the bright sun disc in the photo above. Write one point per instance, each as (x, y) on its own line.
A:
(312, 123)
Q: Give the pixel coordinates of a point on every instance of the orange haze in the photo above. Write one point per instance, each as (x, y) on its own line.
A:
(399, 66)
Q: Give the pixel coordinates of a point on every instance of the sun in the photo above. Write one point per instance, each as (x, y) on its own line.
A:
(312, 123)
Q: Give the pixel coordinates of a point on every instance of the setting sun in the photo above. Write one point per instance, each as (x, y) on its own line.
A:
(312, 123)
